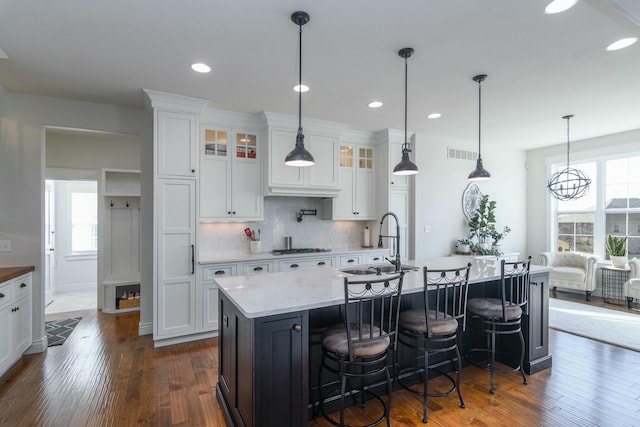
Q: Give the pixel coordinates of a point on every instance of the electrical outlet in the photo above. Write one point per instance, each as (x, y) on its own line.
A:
(5, 245)
(427, 229)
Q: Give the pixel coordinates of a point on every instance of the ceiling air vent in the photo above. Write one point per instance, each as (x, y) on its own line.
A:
(454, 153)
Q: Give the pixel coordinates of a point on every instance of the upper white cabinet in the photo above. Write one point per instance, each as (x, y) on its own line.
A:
(357, 173)
(176, 144)
(230, 174)
(321, 140)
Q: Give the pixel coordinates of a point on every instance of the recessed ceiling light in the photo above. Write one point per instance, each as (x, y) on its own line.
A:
(200, 67)
(375, 104)
(301, 88)
(434, 116)
(622, 43)
(557, 6)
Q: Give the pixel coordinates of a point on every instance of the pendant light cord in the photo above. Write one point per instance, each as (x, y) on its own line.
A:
(479, 118)
(568, 140)
(300, 79)
(406, 79)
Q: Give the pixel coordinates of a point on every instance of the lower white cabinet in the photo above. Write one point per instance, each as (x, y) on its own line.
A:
(15, 319)
(210, 307)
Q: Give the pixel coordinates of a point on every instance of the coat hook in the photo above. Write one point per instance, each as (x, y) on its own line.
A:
(111, 203)
(127, 203)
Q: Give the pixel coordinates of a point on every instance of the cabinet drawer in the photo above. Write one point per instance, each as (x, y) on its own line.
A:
(22, 285)
(217, 271)
(350, 260)
(6, 293)
(374, 258)
(258, 267)
(303, 264)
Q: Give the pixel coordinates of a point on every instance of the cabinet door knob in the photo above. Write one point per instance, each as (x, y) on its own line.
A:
(193, 171)
(23, 285)
(1, 295)
(297, 327)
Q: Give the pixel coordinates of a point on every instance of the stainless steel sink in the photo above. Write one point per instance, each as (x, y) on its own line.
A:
(374, 269)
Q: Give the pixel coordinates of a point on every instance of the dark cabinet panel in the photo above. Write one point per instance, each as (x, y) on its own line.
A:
(536, 326)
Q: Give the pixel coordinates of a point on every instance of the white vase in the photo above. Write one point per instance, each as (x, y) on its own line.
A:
(618, 261)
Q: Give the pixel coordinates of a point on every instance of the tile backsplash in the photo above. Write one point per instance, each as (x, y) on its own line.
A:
(222, 239)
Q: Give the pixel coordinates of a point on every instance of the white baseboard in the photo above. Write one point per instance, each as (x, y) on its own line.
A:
(145, 328)
(163, 342)
(38, 346)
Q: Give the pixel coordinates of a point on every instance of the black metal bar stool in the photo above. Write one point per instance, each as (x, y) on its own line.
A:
(434, 329)
(501, 317)
(359, 347)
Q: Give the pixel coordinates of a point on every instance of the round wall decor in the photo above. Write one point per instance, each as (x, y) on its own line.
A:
(471, 198)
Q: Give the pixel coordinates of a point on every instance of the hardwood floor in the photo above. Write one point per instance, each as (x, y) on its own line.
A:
(105, 375)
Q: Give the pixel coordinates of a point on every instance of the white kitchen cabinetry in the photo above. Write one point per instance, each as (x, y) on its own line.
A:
(176, 287)
(321, 140)
(346, 260)
(15, 319)
(230, 175)
(293, 264)
(176, 144)
(357, 199)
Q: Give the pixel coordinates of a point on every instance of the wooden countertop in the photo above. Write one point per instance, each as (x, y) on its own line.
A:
(8, 273)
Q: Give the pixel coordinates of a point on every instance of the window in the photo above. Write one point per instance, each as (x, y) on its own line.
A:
(84, 222)
(575, 219)
(612, 206)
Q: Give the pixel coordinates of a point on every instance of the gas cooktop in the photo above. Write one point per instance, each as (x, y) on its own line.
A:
(298, 251)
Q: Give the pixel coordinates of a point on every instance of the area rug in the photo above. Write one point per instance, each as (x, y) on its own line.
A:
(59, 330)
(609, 326)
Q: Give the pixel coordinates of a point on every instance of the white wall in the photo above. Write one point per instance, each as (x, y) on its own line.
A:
(23, 119)
(90, 150)
(539, 225)
(438, 191)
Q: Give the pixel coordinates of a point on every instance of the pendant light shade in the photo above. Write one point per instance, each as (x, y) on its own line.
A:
(479, 173)
(299, 156)
(569, 183)
(406, 166)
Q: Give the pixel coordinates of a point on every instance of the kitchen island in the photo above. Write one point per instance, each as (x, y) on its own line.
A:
(269, 341)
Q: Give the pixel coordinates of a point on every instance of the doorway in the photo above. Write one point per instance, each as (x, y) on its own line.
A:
(71, 245)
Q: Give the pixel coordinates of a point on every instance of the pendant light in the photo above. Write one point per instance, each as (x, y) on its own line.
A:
(569, 183)
(479, 173)
(406, 166)
(299, 156)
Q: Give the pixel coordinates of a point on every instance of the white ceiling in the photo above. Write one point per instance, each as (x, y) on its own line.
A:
(540, 67)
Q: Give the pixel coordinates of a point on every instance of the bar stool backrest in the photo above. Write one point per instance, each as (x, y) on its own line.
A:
(514, 287)
(372, 309)
(445, 294)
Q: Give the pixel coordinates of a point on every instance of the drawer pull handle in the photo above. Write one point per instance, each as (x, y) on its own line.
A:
(322, 263)
(257, 268)
(377, 258)
(351, 261)
(297, 327)
(219, 272)
(1, 295)
(294, 266)
(23, 285)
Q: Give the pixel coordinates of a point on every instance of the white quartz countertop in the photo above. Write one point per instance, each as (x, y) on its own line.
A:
(244, 256)
(262, 295)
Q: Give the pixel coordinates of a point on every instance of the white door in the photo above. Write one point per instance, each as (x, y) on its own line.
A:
(49, 242)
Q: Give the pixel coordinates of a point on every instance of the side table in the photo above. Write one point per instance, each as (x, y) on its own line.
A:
(613, 279)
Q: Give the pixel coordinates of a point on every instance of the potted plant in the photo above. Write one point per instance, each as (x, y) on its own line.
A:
(617, 250)
(482, 223)
(497, 236)
(463, 246)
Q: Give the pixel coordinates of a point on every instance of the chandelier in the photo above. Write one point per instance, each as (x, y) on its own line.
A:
(569, 183)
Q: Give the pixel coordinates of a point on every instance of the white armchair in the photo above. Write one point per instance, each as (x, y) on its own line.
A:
(632, 286)
(572, 270)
